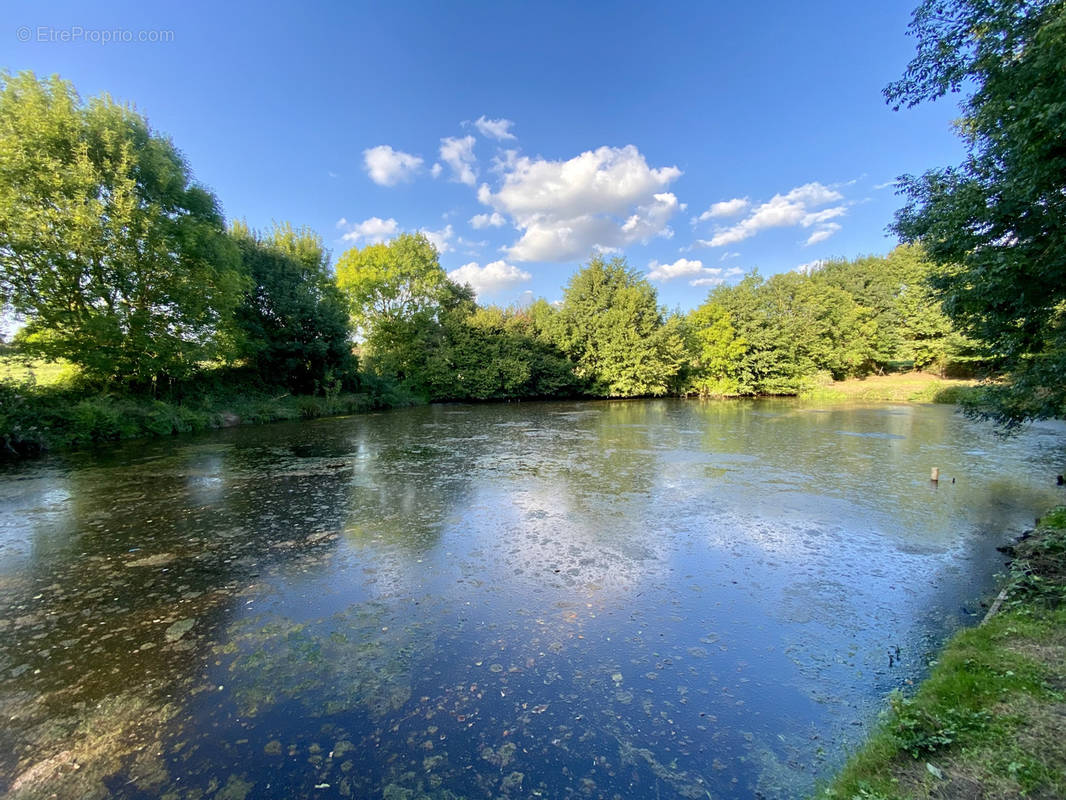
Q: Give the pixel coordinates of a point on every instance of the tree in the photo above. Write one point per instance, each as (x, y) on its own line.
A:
(995, 225)
(718, 352)
(774, 336)
(294, 319)
(115, 258)
(494, 354)
(611, 327)
(389, 283)
(395, 293)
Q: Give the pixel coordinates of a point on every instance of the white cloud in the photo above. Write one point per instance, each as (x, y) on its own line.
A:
(494, 220)
(440, 239)
(683, 268)
(885, 185)
(822, 233)
(372, 231)
(436, 169)
(504, 160)
(732, 272)
(728, 255)
(495, 128)
(491, 278)
(459, 155)
(821, 216)
(602, 199)
(786, 210)
(726, 208)
(707, 282)
(387, 167)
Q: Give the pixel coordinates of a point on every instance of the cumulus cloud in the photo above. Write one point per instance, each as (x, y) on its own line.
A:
(822, 233)
(685, 268)
(372, 231)
(493, 220)
(726, 208)
(459, 155)
(794, 208)
(491, 278)
(441, 239)
(387, 167)
(436, 170)
(499, 129)
(602, 199)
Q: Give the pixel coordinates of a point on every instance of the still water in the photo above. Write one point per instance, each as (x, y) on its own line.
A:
(646, 599)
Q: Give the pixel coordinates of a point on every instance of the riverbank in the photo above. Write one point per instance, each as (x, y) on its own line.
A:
(43, 408)
(905, 387)
(990, 720)
(35, 419)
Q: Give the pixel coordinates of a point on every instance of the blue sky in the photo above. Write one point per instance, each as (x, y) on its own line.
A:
(699, 140)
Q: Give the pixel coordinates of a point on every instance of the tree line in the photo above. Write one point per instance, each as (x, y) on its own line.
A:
(118, 261)
(609, 337)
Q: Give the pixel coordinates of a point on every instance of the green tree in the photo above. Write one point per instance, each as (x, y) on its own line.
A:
(774, 336)
(390, 283)
(718, 352)
(116, 260)
(294, 319)
(611, 327)
(995, 225)
(494, 354)
(907, 321)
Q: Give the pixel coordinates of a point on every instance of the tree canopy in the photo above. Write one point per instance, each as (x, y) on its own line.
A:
(390, 282)
(117, 260)
(611, 326)
(995, 225)
(293, 319)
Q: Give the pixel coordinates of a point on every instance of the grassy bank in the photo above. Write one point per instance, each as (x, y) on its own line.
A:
(907, 387)
(44, 406)
(56, 413)
(990, 720)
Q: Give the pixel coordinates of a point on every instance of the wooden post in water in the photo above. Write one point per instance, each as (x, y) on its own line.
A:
(934, 476)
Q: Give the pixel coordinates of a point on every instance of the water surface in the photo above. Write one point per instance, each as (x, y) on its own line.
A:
(619, 599)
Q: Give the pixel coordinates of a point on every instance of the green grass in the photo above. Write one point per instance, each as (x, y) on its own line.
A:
(908, 387)
(48, 409)
(40, 373)
(989, 720)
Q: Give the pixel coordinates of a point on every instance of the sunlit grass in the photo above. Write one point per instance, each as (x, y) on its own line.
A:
(15, 369)
(988, 720)
(909, 387)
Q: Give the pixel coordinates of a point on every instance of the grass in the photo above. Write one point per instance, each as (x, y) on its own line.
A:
(908, 387)
(41, 373)
(990, 720)
(45, 407)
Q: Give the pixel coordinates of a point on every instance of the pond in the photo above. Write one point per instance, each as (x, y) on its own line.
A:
(644, 599)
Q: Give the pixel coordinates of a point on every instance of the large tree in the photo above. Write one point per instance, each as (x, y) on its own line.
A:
(996, 224)
(611, 326)
(109, 251)
(390, 282)
(395, 293)
(294, 319)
